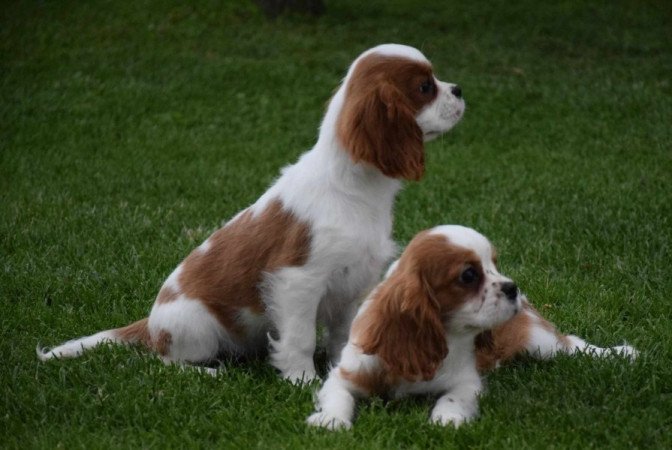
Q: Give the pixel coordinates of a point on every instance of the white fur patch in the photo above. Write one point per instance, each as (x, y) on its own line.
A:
(195, 334)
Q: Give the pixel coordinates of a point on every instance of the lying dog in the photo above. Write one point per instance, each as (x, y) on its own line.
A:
(315, 242)
(443, 314)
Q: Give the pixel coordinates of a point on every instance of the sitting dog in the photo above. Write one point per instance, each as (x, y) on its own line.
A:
(443, 314)
(315, 242)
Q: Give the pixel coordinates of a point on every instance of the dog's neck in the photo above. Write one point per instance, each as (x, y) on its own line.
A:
(461, 348)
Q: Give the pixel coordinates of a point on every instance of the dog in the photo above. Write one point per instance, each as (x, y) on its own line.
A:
(443, 315)
(315, 242)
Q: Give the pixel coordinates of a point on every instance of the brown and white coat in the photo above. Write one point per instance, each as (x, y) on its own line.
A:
(443, 315)
(314, 244)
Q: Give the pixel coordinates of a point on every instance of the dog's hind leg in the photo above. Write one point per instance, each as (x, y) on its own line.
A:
(528, 332)
(545, 341)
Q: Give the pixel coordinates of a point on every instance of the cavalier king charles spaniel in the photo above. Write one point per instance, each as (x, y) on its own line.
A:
(318, 239)
(443, 315)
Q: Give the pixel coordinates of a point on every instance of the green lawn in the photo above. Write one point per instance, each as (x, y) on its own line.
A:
(130, 130)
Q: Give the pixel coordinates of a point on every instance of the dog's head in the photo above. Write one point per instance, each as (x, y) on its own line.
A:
(393, 103)
(446, 283)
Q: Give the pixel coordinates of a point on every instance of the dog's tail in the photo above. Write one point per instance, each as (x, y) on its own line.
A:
(135, 333)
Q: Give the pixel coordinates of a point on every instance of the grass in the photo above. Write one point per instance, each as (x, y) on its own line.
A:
(130, 130)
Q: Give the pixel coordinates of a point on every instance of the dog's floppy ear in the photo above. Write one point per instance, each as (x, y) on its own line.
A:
(377, 126)
(405, 329)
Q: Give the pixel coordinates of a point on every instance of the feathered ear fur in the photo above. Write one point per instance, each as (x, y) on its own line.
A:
(405, 328)
(378, 127)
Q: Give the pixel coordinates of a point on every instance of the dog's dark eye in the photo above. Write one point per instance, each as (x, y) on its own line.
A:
(469, 276)
(427, 86)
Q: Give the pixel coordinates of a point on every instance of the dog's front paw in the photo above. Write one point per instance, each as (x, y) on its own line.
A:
(449, 411)
(301, 377)
(445, 418)
(325, 420)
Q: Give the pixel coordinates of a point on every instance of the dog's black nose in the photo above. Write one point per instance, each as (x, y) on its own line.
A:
(510, 290)
(456, 91)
